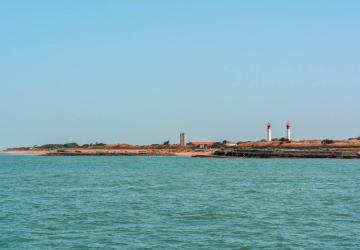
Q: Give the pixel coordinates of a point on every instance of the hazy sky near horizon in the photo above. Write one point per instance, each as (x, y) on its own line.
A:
(143, 71)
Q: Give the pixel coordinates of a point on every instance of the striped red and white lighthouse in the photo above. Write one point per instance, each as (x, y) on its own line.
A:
(288, 130)
(269, 131)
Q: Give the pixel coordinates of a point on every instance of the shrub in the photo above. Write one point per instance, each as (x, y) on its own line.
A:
(327, 141)
(284, 139)
(71, 145)
(217, 145)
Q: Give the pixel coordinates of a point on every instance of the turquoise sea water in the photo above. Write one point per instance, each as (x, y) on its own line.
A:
(178, 203)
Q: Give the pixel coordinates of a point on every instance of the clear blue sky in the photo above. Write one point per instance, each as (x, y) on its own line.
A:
(142, 71)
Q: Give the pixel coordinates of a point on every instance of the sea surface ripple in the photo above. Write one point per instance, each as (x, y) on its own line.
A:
(178, 203)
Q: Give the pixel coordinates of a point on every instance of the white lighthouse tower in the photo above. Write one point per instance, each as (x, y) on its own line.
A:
(268, 131)
(288, 129)
(183, 139)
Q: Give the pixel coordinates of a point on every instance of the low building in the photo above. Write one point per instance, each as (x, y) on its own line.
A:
(230, 144)
(201, 144)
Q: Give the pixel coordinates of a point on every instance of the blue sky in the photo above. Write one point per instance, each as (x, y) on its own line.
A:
(143, 71)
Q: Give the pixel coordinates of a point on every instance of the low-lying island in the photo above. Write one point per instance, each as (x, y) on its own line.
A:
(341, 149)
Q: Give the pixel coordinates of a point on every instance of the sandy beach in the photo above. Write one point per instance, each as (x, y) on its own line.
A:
(24, 152)
(194, 153)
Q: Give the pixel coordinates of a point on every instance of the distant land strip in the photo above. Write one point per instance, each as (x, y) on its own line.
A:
(341, 149)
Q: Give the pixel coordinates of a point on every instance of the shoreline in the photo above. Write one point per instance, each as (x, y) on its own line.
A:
(320, 153)
(103, 152)
(222, 154)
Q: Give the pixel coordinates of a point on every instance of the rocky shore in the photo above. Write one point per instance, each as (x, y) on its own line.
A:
(288, 153)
